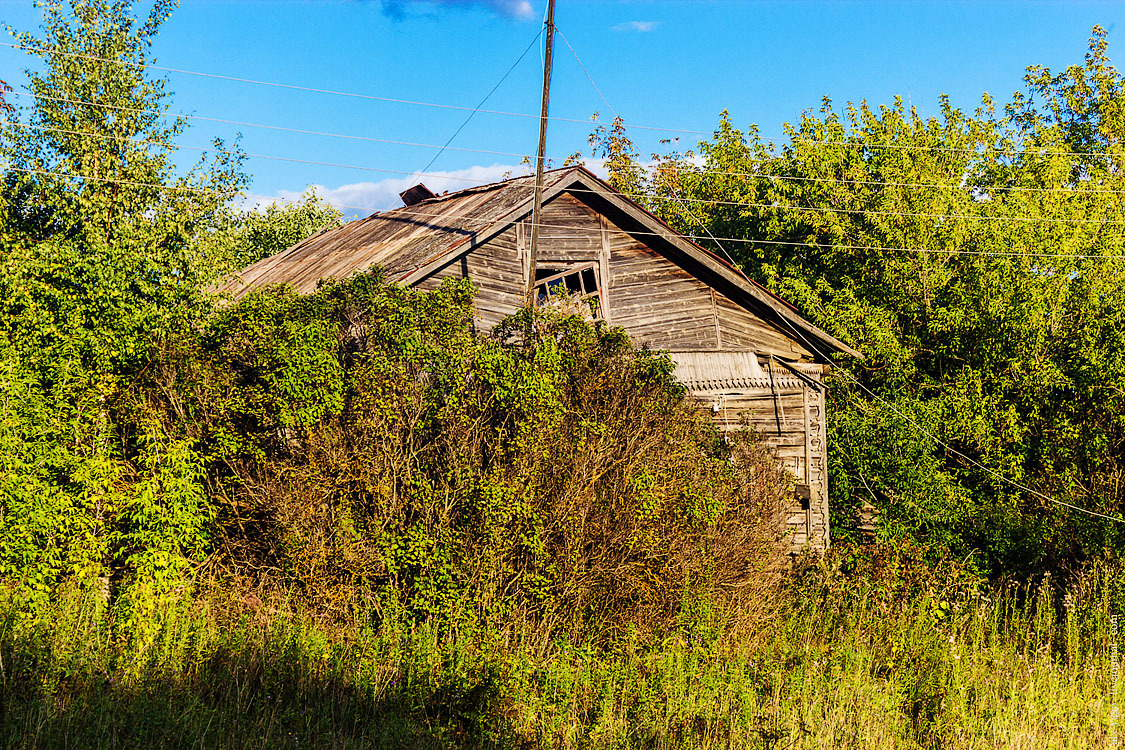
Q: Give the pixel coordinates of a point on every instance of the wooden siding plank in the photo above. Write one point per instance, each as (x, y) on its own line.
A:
(603, 270)
(741, 329)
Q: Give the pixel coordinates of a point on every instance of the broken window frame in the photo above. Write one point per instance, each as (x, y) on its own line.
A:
(595, 298)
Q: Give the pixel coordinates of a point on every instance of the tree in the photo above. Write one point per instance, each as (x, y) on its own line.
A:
(102, 249)
(976, 260)
(93, 201)
(619, 156)
(252, 235)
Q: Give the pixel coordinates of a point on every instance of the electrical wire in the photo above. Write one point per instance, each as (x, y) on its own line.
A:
(482, 101)
(738, 268)
(137, 110)
(667, 235)
(890, 406)
(656, 196)
(647, 169)
(902, 414)
(246, 154)
(898, 146)
(914, 423)
(901, 214)
(880, 183)
(586, 72)
(907, 417)
(310, 89)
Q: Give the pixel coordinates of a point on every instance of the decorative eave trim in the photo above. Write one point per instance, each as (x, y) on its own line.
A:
(726, 385)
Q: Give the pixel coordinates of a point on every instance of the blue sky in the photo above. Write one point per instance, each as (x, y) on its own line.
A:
(664, 64)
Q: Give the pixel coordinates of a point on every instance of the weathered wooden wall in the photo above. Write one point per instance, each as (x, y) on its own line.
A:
(498, 269)
(786, 410)
(662, 305)
(792, 425)
(657, 301)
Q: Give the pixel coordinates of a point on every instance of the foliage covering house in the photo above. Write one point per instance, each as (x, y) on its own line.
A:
(741, 350)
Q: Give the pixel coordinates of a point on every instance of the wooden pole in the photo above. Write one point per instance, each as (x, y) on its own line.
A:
(537, 206)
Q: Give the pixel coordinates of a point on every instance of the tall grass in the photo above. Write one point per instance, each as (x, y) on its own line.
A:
(839, 661)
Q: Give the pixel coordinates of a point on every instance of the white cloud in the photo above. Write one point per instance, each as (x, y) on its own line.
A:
(360, 199)
(641, 27)
(363, 198)
(597, 166)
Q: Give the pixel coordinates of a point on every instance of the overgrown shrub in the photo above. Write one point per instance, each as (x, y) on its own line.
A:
(363, 438)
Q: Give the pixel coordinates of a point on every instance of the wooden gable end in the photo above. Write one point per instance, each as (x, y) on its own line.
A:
(658, 302)
(498, 271)
(664, 306)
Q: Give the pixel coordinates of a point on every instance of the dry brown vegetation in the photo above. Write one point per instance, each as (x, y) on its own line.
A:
(364, 443)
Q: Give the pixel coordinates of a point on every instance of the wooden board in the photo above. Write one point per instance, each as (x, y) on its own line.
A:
(790, 422)
(497, 270)
(741, 329)
(659, 303)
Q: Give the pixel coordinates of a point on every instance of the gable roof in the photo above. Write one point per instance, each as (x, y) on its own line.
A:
(411, 242)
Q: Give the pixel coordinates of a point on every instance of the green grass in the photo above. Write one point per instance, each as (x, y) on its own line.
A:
(833, 661)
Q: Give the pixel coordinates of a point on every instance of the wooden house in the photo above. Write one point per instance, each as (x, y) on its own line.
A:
(740, 349)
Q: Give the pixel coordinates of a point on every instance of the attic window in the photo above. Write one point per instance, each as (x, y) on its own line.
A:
(573, 286)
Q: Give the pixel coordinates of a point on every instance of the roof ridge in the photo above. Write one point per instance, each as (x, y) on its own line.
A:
(498, 185)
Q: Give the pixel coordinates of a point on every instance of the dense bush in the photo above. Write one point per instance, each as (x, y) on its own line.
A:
(364, 436)
(364, 439)
(975, 259)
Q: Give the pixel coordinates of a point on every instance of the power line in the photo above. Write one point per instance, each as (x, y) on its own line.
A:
(586, 72)
(229, 195)
(657, 196)
(730, 258)
(653, 169)
(902, 414)
(881, 183)
(282, 128)
(942, 443)
(482, 101)
(866, 212)
(310, 89)
(240, 153)
(115, 181)
(667, 235)
(796, 138)
(903, 214)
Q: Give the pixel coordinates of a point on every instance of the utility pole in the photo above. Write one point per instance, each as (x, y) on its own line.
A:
(537, 206)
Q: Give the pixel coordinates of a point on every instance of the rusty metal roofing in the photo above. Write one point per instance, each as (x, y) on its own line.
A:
(399, 241)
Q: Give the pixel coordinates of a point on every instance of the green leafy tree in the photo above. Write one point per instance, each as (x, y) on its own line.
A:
(252, 235)
(619, 157)
(976, 260)
(93, 196)
(102, 248)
